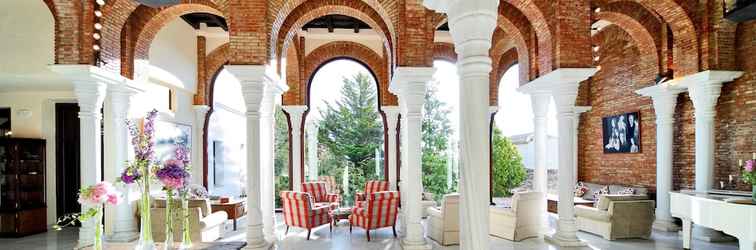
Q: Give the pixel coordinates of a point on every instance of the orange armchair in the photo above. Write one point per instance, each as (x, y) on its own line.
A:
(320, 195)
(300, 211)
(380, 210)
(370, 187)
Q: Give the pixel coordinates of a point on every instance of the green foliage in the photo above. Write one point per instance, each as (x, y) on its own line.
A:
(281, 162)
(350, 132)
(508, 169)
(436, 129)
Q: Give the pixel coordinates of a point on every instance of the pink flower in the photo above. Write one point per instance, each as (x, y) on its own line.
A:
(98, 194)
(113, 199)
(749, 166)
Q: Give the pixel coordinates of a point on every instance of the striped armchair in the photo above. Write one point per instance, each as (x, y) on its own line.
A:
(380, 211)
(330, 184)
(370, 187)
(320, 195)
(300, 211)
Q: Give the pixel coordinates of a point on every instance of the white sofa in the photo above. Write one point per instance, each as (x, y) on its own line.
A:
(524, 219)
(205, 226)
(427, 202)
(443, 222)
(617, 217)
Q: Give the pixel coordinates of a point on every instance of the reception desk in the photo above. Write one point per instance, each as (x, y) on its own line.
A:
(714, 211)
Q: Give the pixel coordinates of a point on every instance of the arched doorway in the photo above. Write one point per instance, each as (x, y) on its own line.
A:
(226, 133)
(343, 104)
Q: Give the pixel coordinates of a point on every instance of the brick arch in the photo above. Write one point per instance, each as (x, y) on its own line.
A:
(116, 13)
(444, 51)
(351, 50)
(506, 61)
(312, 9)
(517, 34)
(685, 50)
(146, 28)
(643, 39)
(214, 62)
(541, 28)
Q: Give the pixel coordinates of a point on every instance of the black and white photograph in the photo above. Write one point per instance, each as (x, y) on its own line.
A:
(622, 133)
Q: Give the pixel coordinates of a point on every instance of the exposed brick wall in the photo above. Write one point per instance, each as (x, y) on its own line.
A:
(612, 92)
(573, 34)
(536, 13)
(415, 32)
(214, 62)
(199, 97)
(249, 35)
(641, 37)
(444, 51)
(513, 23)
(293, 75)
(343, 49)
(504, 62)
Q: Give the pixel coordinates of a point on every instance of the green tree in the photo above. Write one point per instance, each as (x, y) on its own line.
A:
(281, 163)
(436, 129)
(508, 170)
(350, 131)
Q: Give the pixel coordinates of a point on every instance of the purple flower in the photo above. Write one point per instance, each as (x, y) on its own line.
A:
(749, 166)
(182, 154)
(130, 176)
(173, 175)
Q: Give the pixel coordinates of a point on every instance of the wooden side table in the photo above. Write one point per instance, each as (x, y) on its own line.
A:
(340, 214)
(235, 209)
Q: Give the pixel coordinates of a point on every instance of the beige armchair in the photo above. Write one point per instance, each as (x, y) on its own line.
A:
(204, 225)
(443, 223)
(617, 217)
(427, 202)
(523, 220)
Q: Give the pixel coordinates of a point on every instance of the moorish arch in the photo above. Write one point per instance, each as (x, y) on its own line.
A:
(135, 57)
(214, 62)
(643, 39)
(543, 31)
(504, 62)
(350, 50)
(685, 49)
(313, 9)
(444, 51)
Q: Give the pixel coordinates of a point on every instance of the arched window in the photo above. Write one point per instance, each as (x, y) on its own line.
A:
(343, 103)
(226, 138)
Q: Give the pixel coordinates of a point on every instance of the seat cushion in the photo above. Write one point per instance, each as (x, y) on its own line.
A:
(592, 213)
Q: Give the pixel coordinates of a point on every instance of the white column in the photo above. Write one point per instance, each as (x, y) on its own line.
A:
(578, 110)
(704, 89)
(540, 103)
(471, 24)
(312, 150)
(254, 80)
(90, 85)
(123, 226)
(295, 117)
(392, 116)
(198, 143)
(665, 100)
(270, 103)
(410, 84)
(563, 85)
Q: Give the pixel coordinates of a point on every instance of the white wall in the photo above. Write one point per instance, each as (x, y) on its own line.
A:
(27, 42)
(173, 56)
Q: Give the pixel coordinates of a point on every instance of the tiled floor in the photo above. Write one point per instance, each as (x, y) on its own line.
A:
(381, 240)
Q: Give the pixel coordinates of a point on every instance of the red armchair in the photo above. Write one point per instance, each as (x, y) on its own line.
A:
(300, 211)
(331, 186)
(370, 187)
(319, 194)
(380, 211)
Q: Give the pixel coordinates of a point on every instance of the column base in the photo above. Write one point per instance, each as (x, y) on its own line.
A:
(564, 241)
(123, 236)
(665, 226)
(710, 235)
(422, 245)
(260, 245)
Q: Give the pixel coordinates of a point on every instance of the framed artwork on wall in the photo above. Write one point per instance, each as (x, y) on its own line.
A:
(167, 135)
(621, 133)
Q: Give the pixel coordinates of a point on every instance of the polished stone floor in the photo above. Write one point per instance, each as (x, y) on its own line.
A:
(382, 239)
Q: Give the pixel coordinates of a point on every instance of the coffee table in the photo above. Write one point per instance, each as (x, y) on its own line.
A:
(552, 202)
(235, 209)
(338, 214)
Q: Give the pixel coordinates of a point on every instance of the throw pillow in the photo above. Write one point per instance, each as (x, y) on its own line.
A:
(627, 191)
(580, 189)
(598, 193)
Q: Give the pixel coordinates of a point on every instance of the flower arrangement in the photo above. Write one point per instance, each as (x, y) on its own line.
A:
(93, 198)
(140, 171)
(175, 177)
(749, 175)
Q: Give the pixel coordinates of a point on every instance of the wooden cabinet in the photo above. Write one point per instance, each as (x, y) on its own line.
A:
(22, 187)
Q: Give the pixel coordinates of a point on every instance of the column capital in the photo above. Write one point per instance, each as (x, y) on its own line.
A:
(704, 88)
(200, 110)
(256, 81)
(664, 98)
(392, 116)
(410, 85)
(471, 23)
(90, 84)
(559, 80)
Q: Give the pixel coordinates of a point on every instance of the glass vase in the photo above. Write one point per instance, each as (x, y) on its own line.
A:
(753, 194)
(168, 220)
(98, 229)
(186, 237)
(145, 232)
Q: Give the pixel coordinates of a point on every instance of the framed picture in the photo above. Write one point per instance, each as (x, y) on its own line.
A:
(621, 133)
(167, 135)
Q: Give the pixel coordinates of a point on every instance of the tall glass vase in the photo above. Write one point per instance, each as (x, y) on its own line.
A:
(753, 194)
(186, 237)
(168, 220)
(145, 232)
(98, 229)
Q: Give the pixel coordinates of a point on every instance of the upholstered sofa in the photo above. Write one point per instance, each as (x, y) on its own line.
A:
(617, 217)
(443, 222)
(612, 188)
(427, 202)
(204, 225)
(524, 219)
